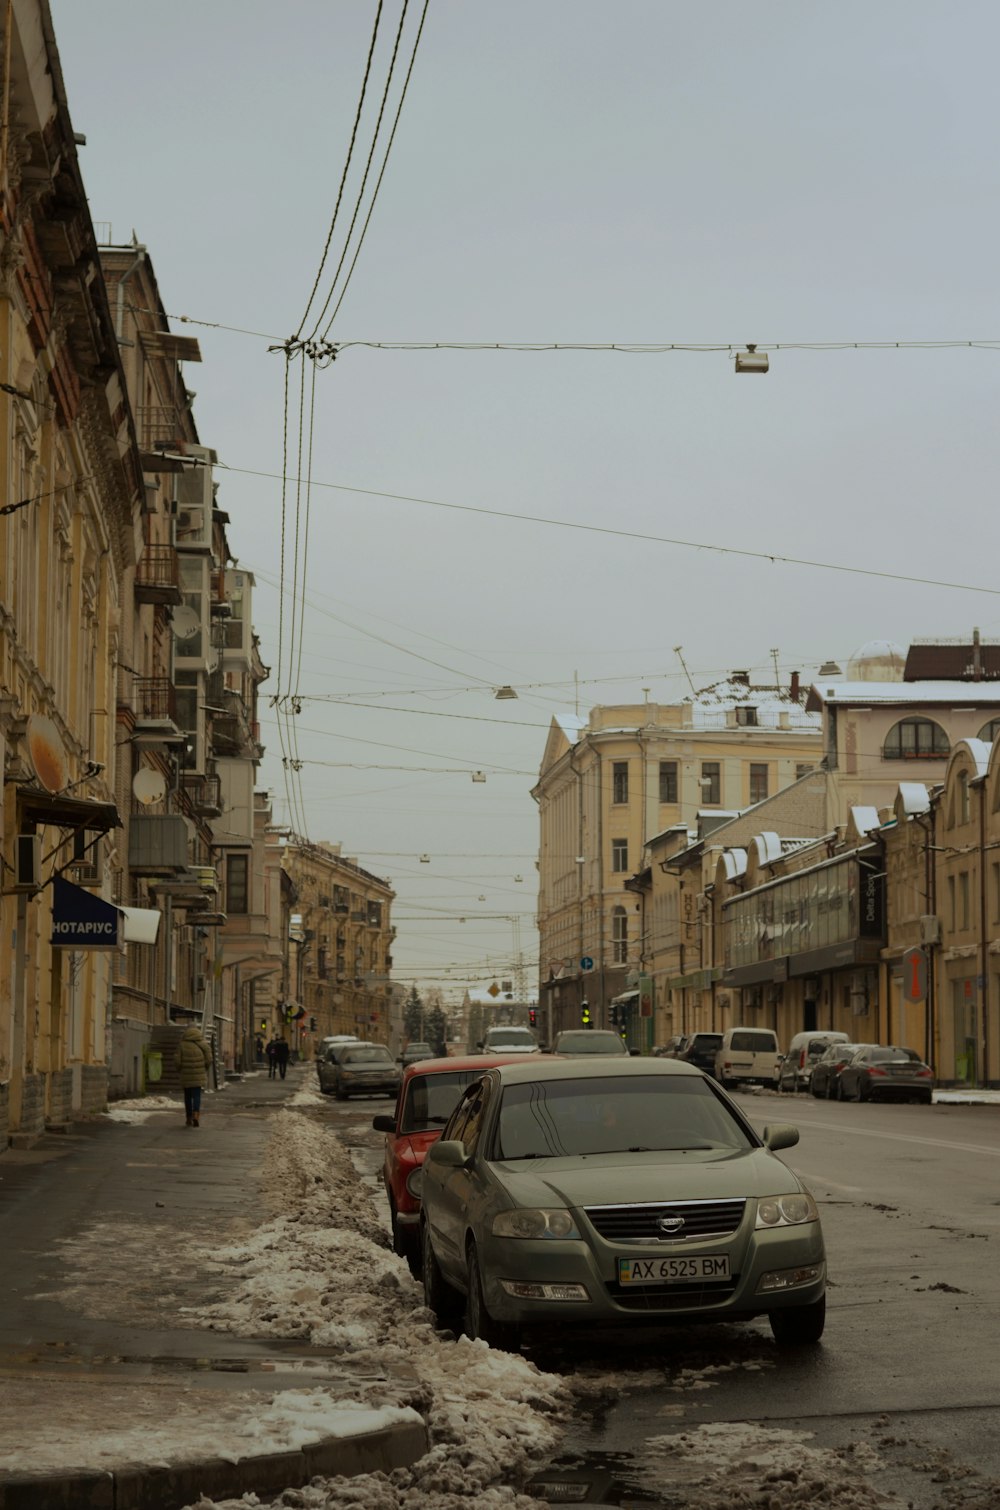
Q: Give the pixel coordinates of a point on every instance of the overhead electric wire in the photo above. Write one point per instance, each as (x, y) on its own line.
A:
(364, 180)
(378, 183)
(347, 164)
(775, 557)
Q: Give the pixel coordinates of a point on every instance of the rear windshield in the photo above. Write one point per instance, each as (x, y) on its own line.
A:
(431, 1099)
(894, 1056)
(366, 1054)
(546, 1119)
(590, 1043)
(751, 1042)
(499, 1038)
(705, 1041)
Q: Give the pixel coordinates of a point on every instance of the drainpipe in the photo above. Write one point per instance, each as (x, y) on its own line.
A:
(140, 257)
(931, 1044)
(984, 1007)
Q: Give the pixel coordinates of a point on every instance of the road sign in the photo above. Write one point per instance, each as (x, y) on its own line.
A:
(914, 975)
(493, 990)
(586, 963)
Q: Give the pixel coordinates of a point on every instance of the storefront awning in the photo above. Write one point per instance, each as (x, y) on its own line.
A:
(36, 806)
(624, 999)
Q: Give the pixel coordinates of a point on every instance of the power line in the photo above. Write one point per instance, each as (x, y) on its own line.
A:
(775, 557)
(347, 164)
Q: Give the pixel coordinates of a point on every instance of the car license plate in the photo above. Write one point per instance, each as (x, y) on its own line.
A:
(665, 1271)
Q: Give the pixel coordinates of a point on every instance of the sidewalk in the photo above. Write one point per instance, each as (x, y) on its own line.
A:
(88, 1378)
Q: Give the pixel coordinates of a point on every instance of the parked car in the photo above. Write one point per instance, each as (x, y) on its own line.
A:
(747, 1056)
(415, 1051)
(509, 1039)
(700, 1049)
(621, 1191)
(356, 1069)
(885, 1074)
(334, 1039)
(428, 1095)
(826, 1070)
(796, 1067)
(669, 1050)
(590, 1041)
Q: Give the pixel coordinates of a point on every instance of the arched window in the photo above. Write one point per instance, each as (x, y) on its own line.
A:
(916, 739)
(990, 731)
(619, 936)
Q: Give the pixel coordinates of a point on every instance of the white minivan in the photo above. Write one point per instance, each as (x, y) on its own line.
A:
(747, 1056)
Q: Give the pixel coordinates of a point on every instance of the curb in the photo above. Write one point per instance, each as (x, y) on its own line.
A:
(158, 1488)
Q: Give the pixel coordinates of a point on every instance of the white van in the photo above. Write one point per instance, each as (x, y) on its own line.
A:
(747, 1056)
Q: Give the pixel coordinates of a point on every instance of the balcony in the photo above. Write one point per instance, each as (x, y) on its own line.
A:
(204, 793)
(157, 576)
(161, 424)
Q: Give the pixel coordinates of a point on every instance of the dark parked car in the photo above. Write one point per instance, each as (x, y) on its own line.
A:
(415, 1052)
(826, 1070)
(885, 1074)
(700, 1049)
(671, 1048)
(358, 1069)
(625, 1191)
(796, 1066)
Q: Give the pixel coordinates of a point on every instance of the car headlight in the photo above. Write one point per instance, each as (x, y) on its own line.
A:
(413, 1180)
(786, 1210)
(532, 1221)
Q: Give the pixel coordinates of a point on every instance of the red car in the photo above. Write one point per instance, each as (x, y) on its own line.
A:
(428, 1095)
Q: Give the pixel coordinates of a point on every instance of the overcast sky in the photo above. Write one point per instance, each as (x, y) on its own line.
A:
(571, 171)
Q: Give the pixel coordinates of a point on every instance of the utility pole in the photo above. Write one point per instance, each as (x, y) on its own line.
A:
(677, 653)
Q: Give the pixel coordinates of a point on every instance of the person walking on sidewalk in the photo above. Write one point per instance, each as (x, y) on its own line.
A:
(272, 1058)
(281, 1052)
(193, 1059)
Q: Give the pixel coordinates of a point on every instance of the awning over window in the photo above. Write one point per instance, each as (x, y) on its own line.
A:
(624, 999)
(66, 812)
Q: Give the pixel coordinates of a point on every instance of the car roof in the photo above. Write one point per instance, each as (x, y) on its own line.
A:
(547, 1067)
(587, 1033)
(469, 1062)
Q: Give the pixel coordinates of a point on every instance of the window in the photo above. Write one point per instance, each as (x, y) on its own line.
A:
(758, 782)
(990, 731)
(802, 770)
(711, 782)
(668, 781)
(916, 739)
(619, 936)
(238, 883)
(747, 717)
(951, 902)
(619, 781)
(964, 915)
(963, 811)
(619, 854)
(996, 891)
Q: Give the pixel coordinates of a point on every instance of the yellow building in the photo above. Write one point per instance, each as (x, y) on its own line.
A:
(609, 784)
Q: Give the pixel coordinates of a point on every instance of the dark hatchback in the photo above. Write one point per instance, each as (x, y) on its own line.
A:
(700, 1049)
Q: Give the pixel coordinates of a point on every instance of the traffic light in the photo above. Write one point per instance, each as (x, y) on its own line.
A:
(614, 1014)
(532, 1017)
(585, 1013)
(263, 1025)
(312, 1024)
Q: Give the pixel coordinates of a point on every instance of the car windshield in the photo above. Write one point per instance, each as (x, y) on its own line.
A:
(590, 1043)
(547, 1119)
(431, 1099)
(419, 1051)
(368, 1054)
(500, 1038)
(705, 1041)
(894, 1056)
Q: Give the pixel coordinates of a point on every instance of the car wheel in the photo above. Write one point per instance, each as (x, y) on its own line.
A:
(862, 1093)
(340, 1094)
(478, 1321)
(439, 1296)
(799, 1326)
(405, 1243)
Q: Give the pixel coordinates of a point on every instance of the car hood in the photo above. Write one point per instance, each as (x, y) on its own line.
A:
(626, 1179)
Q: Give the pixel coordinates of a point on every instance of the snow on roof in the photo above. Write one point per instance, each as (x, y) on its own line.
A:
(571, 724)
(913, 798)
(865, 819)
(766, 847)
(734, 862)
(710, 706)
(980, 752)
(912, 694)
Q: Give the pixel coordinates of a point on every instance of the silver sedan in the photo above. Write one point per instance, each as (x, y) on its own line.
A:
(616, 1191)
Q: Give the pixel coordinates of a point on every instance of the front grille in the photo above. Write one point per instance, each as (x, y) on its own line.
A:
(679, 1297)
(640, 1224)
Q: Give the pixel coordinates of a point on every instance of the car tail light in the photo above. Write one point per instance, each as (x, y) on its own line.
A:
(802, 1059)
(924, 1074)
(874, 1069)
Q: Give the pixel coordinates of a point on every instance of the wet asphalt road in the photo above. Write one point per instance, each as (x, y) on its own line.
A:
(910, 1202)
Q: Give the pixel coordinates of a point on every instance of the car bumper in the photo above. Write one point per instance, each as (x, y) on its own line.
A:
(368, 1087)
(595, 1269)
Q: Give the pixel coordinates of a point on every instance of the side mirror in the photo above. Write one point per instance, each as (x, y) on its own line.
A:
(479, 1046)
(781, 1136)
(384, 1123)
(450, 1155)
(635, 1053)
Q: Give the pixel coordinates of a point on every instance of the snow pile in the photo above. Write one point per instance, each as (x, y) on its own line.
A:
(746, 1465)
(323, 1271)
(142, 1108)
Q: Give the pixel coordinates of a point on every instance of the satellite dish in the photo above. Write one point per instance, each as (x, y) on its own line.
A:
(148, 786)
(185, 623)
(47, 753)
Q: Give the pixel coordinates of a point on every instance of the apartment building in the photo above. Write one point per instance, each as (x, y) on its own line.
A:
(609, 784)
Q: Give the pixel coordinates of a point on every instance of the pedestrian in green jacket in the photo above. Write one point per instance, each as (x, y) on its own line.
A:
(192, 1059)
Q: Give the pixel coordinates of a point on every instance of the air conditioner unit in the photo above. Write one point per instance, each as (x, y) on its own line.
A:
(930, 929)
(28, 865)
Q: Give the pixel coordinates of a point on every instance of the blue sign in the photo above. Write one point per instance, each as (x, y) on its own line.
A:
(80, 920)
(586, 963)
